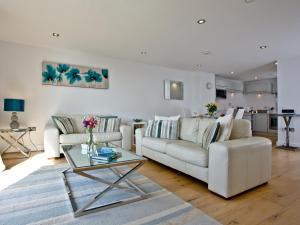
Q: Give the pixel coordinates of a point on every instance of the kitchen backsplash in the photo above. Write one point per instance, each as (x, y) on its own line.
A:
(250, 100)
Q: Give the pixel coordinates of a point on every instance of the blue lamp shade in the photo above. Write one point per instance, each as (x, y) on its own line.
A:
(14, 105)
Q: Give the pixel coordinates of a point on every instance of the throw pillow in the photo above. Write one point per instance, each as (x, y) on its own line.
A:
(226, 124)
(64, 124)
(166, 117)
(241, 129)
(210, 135)
(109, 124)
(167, 129)
(189, 128)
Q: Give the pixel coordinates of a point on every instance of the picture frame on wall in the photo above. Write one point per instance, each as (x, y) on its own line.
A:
(173, 90)
(68, 75)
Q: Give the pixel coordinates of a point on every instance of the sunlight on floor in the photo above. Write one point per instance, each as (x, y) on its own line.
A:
(23, 169)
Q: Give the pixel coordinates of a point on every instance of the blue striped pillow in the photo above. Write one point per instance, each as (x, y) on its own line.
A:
(167, 129)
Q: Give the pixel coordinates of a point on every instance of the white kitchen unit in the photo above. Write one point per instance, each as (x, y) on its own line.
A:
(259, 86)
(261, 122)
(229, 84)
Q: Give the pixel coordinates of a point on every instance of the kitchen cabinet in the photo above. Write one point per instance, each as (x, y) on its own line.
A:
(229, 85)
(260, 122)
(274, 86)
(259, 86)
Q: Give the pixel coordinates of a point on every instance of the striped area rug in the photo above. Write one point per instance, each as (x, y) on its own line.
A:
(41, 198)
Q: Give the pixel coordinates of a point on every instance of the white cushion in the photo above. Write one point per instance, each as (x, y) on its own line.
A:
(203, 124)
(156, 144)
(189, 129)
(166, 117)
(241, 129)
(226, 123)
(188, 152)
(83, 138)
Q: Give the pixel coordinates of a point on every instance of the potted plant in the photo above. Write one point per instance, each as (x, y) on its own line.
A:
(211, 108)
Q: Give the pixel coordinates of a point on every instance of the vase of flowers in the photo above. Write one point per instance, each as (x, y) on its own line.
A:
(211, 108)
(90, 123)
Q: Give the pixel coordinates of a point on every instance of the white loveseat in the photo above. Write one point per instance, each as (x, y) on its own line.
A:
(229, 167)
(53, 139)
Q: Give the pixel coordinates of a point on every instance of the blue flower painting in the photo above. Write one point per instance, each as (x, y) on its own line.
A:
(93, 76)
(73, 75)
(62, 74)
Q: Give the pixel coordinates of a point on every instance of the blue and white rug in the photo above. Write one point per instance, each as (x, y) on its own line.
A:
(41, 198)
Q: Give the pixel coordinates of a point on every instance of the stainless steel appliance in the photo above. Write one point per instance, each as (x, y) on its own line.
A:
(273, 122)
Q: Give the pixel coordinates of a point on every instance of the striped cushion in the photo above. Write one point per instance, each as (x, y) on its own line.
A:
(210, 135)
(167, 129)
(64, 124)
(108, 125)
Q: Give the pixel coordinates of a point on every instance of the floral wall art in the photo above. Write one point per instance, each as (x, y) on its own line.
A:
(61, 74)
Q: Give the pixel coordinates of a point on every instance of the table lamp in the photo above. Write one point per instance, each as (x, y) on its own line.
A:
(14, 106)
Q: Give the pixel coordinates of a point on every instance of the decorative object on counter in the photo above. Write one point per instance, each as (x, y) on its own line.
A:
(90, 123)
(137, 120)
(211, 108)
(14, 142)
(14, 106)
(60, 74)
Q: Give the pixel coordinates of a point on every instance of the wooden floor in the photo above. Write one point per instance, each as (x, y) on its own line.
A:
(278, 202)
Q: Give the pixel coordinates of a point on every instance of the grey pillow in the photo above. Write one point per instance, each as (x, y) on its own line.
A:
(210, 134)
(64, 124)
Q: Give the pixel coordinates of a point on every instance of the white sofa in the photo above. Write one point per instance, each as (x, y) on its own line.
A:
(229, 167)
(2, 166)
(53, 139)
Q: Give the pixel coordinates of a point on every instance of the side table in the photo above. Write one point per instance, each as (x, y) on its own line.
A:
(6, 135)
(136, 125)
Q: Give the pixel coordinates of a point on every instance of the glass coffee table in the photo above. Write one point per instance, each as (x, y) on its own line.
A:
(80, 163)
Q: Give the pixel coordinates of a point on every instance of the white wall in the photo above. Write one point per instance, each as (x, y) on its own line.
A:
(288, 96)
(135, 89)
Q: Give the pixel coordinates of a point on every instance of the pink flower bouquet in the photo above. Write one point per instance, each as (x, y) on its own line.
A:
(90, 122)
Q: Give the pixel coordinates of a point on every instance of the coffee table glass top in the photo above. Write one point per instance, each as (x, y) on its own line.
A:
(78, 158)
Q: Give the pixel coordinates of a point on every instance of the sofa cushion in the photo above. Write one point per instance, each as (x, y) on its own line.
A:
(84, 137)
(156, 144)
(226, 123)
(203, 124)
(189, 129)
(189, 152)
(210, 135)
(241, 129)
(167, 117)
(64, 124)
(167, 129)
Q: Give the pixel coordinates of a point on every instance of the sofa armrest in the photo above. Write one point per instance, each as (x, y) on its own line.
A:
(139, 134)
(51, 141)
(238, 165)
(2, 166)
(126, 136)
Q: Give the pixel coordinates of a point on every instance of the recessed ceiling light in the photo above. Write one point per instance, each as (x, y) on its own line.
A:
(231, 72)
(263, 47)
(255, 78)
(201, 21)
(205, 52)
(55, 34)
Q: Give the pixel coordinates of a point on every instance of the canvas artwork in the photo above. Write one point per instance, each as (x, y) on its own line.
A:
(61, 74)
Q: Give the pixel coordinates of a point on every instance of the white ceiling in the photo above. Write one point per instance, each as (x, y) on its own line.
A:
(165, 29)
